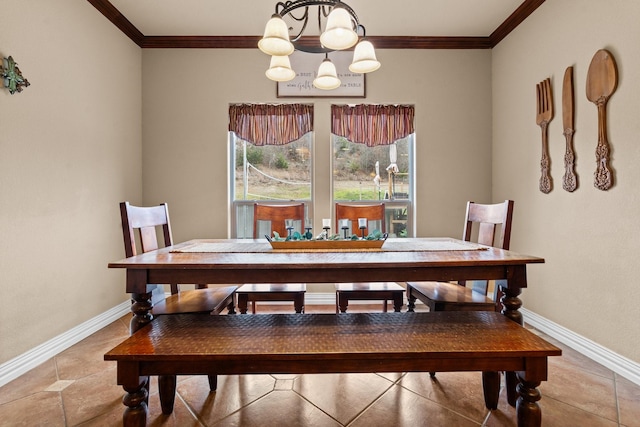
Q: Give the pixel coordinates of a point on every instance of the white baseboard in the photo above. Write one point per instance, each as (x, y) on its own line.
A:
(34, 357)
(25, 362)
(618, 364)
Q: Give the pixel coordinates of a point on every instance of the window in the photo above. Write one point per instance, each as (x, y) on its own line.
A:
(373, 160)
(270, 147)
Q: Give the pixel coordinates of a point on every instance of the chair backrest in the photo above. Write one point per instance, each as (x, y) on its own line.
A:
(146, 220)
(274, 216)
(374, 213)
(493, 223)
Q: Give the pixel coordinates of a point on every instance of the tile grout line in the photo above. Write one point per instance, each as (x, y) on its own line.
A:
(615, 395)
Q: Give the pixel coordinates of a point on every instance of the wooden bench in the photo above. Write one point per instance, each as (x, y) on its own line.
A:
(326, 343)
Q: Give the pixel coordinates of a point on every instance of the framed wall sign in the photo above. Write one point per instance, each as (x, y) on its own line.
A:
(306, 67)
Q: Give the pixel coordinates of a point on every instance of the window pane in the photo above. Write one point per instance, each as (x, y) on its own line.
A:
(355, 167)
(272, 172)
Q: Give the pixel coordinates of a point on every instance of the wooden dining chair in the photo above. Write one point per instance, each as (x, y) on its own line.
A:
(274, 216)
(147, 223)
(492, 225)
(373, 213)
(268, 218)
(367, 291)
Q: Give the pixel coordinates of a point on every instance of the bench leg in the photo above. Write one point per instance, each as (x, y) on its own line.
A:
(528, 411)
(136, 401)
(491, 388)
(167, 392)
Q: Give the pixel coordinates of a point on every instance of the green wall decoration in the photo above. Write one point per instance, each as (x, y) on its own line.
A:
(11, 76)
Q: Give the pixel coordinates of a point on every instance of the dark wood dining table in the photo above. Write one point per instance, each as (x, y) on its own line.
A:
(233, 261)
(219, 261)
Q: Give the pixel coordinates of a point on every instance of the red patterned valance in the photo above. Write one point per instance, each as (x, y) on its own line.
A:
(270, 124)
(372, 124)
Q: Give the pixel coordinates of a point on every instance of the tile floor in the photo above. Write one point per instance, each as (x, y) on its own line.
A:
(78, 388)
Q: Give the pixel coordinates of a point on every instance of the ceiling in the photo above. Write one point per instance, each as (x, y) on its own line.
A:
(403, 19)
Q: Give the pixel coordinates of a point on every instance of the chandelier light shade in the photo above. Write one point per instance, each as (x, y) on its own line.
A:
(275, 41)
(364, 58)
(327, 78)
(339, 33)
(338, 27)
(280, 69)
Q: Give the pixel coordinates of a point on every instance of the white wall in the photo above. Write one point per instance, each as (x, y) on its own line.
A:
(589, 238)
(70, 150)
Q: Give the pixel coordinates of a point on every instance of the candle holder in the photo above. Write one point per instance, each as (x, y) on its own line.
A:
(362, 223)
(326, 226)
(308, 226)
(288, 224)
(344, 224)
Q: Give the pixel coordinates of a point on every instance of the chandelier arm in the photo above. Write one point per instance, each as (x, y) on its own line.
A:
(304, 19)
(288, 6)
(324, 9)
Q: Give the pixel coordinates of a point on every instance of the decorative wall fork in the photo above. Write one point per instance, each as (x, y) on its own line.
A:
(544, 114)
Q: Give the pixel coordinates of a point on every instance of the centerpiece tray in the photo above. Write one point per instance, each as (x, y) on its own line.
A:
(344, 244)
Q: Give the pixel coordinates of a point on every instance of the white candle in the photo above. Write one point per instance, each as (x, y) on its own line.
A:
(326, 223)
(344, 223)
(362, 222)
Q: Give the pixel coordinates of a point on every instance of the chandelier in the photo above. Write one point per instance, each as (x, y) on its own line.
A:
(341, 31)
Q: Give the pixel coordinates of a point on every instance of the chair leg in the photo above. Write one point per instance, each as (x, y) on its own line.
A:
(397, 302)
(213, 382)
(231, 307)
(243, 300)
(298, 303)
(411, 301)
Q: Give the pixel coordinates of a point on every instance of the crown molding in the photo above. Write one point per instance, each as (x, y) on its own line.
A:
(250, 42)
(119, 20)
(516, 18)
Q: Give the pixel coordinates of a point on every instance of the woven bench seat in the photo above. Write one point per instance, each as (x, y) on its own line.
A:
(326, 343)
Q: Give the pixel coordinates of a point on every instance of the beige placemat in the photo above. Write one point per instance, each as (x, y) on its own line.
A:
(391, 245)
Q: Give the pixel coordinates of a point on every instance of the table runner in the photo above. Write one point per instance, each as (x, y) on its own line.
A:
(391, 245)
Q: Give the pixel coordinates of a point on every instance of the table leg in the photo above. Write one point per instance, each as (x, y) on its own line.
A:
(135, 415)
(511, 308)
(528, 411)
(141, 311)
(511, 304)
